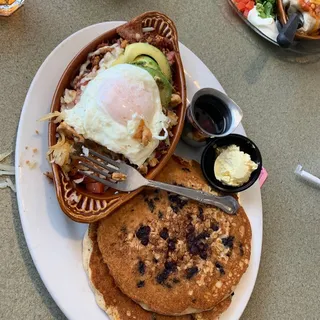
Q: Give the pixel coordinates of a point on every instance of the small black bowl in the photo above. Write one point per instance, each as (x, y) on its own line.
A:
(209, 156)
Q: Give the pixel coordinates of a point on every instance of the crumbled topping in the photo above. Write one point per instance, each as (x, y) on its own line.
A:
(118, 176)
(175, 100)
(143, 133)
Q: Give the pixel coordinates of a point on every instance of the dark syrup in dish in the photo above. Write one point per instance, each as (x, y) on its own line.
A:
(212, 115)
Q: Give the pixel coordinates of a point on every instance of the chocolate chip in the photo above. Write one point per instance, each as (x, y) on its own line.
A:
(124, 229)
(155, 260)
(174, 208)
(241, 249)
(194, 300)
(200, 214)
(228, 242)
(175, 280)
(191, 272)
(177, 201)
(186, 169)
(220, 268)
(194, 249)
(178, 184)
(203, 235)
(232, 294)
(163, 276)
(140, 284)
(143, 234)
(150, 204)
(203, 255)
(168, 285)
(170, 266)
(132, 210)
(164, 234)
(156, 199)
(214, 226)
(172, 244)
(141, 267)
(190, 228)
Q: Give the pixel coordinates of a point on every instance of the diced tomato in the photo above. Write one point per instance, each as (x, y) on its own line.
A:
(95, 187)
(241, 6)
(250, 5)
(246, 12)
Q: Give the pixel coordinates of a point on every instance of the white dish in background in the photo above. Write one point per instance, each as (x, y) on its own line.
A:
(54, 241)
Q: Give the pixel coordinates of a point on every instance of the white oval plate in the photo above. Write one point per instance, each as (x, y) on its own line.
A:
(54, 241)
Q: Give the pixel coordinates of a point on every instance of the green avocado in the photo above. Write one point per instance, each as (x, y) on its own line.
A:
(164, 86)
(146, 61)
(132, 51)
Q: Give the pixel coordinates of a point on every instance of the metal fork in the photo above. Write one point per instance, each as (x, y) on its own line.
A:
(135, 180)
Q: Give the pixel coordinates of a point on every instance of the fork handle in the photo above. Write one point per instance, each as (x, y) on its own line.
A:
(226, 203)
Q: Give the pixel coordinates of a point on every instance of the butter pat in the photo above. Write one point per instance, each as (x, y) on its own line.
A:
(233, 167)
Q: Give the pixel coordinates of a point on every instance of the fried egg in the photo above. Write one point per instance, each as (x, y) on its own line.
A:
(111, 108)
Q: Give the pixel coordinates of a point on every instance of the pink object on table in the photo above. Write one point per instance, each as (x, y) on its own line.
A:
(263, 176)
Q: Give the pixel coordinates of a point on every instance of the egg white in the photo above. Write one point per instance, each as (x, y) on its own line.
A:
(94, 123)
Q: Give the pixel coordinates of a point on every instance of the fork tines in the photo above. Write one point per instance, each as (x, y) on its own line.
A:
(100, 165)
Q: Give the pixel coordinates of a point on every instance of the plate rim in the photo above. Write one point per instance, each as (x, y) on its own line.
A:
(18, 149)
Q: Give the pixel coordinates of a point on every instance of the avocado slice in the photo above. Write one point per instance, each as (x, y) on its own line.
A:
(132, 51)
(146, 61)
(164, 86)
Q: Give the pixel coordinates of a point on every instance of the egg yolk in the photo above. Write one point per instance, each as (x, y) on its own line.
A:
(121, 99)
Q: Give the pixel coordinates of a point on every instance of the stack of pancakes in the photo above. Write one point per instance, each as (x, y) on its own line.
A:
(160, 256)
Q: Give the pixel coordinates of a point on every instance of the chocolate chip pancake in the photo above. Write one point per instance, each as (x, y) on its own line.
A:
(171, 255)
(109, 298)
